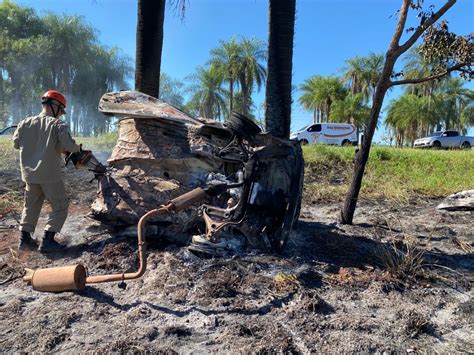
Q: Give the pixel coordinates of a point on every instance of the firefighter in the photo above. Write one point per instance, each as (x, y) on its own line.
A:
(41, 139)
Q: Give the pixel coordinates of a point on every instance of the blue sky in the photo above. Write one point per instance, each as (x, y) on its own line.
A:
(327, 32)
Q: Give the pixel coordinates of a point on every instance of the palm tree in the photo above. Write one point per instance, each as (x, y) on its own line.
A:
(251, 71)
(208, 97)
(226, 59)
(408, 116)
(319, 92)
(279, 67)
(363, 73)
(416, 67)
(151, 16)
(351, 110)
(308, 99)
(467, 116)
(373, 70)
(171, 90)
(452, 98)
(18, 56)
(353, 75)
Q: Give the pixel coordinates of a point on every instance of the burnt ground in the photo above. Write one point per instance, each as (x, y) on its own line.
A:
(399, 279)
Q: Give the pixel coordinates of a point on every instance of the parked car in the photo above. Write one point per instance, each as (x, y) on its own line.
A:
(7, 131)
(445, 139)
(327, 133)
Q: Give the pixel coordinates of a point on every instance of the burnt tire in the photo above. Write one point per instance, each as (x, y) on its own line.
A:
(466, 145)
(436, 145)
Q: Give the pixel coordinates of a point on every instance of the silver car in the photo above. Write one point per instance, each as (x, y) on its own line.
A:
(445, 139)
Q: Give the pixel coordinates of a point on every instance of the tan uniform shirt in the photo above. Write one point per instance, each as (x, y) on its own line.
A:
(41, 140)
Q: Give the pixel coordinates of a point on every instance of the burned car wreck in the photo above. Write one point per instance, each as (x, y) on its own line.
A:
(252, 180)
(217, 188)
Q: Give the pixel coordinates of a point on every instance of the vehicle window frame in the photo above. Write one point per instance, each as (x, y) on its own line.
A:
(452, 133)
(313, 127)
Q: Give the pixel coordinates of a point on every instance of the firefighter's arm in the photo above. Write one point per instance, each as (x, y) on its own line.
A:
(67, 143)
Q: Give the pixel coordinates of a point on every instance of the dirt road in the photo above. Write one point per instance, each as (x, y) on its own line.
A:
(334, 289)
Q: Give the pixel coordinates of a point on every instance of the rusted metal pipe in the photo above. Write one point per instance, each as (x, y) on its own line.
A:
(141, 253)
(68, 278)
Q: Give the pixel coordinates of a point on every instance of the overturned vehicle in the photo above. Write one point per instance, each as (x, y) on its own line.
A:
(253, 181)
(218, 188)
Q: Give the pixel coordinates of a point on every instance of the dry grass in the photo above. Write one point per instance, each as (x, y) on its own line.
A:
(286, 282)
(401, 258)
(10, 203)
(403, 262)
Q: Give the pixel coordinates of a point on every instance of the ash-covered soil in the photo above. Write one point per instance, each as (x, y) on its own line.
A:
(399, 279)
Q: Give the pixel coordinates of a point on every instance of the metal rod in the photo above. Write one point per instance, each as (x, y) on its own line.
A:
(141, 253)
(177, 204)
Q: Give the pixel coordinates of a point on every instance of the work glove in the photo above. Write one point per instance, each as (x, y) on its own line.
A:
(78, 158)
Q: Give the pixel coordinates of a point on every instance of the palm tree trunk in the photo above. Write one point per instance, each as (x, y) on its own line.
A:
(245, 90)
(151, 16)
(280, 60)
(17, 113)
(3, 114)
(231, 98)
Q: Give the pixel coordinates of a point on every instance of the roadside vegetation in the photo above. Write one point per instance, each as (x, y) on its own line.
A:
(420, 110)
(11, 196)
(30, 43)
(393, 174)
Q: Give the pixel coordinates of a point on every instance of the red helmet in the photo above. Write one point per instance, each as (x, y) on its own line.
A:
(53, 95)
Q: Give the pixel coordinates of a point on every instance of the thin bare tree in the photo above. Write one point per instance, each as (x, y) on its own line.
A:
(451, 52)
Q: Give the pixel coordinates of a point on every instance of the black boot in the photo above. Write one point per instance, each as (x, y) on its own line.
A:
(48, 244)
(26, 242)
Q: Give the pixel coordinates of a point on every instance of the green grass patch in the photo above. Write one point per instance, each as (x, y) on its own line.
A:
(391, 173)
(104, 142)
(9, 159)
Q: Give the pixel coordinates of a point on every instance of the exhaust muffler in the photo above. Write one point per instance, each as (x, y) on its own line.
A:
(74, 278)
(57, 279)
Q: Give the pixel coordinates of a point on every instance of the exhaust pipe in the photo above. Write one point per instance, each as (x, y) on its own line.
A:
(55, 279)
(73, 278)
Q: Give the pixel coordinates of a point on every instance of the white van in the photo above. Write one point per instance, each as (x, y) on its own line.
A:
(327, 133)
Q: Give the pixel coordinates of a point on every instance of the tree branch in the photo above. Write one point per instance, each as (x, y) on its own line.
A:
(402, 18)
(422, 28)
(428, 78)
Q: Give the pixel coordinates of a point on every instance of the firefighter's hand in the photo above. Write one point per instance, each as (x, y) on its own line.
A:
(83, 156)
(71, 157)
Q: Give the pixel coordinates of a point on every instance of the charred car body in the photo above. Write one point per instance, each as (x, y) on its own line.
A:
(161, 153)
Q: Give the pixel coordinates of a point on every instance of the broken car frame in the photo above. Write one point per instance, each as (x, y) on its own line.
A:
(251, 193)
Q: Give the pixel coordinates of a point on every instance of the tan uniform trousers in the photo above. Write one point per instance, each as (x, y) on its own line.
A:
(35, 194)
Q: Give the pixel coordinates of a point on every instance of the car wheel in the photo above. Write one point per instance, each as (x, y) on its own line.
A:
(303, 142)
(346, 143)
(436, 145)
(466, 145)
